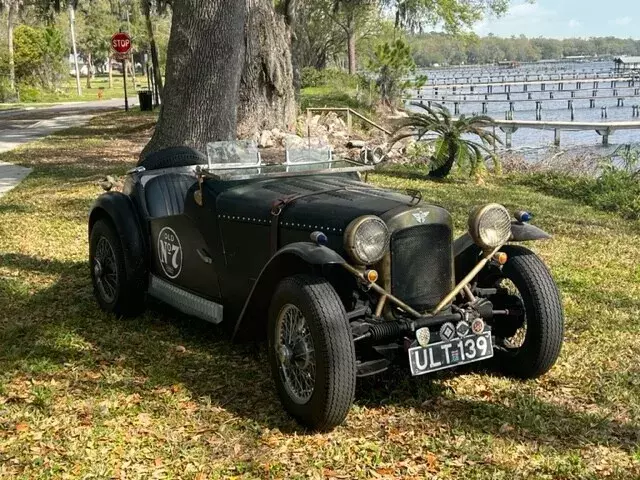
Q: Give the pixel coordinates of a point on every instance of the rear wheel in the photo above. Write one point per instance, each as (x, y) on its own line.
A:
(529, 338)
(311, 352)
(114, 289)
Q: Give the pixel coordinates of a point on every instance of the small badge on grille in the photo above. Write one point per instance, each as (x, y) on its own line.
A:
(462, 328)
(421, 216)
(447, 331)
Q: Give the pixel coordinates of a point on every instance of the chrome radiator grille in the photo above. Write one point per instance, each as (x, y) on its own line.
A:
(422, 264)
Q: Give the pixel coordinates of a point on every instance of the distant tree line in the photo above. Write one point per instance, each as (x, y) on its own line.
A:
(444, 49)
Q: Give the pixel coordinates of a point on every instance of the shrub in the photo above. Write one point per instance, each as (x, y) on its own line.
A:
(449, 137)
(39, 56)
(29, 94)
(311, 77)
(329, 77)
(6, 94)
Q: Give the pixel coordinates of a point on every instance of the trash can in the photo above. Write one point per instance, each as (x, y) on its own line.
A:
(146, 100)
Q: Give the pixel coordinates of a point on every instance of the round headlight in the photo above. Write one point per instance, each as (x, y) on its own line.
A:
(367, 240)
(490, 226)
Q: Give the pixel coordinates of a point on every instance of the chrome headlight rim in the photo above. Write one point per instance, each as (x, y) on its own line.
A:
(352, 245)
(502, 226)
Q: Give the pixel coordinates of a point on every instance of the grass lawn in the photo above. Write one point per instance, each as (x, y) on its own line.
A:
(83, 395)
(69, 93)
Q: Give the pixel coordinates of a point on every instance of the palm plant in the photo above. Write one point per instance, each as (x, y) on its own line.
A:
(449, 136)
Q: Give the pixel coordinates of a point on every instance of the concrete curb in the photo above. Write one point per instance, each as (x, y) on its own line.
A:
(10, 176)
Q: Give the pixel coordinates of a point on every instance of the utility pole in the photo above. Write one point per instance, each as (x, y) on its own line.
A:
(72, 22)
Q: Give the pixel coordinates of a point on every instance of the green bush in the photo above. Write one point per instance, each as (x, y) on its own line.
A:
(29, 94)
(330, 77)
(6, 94)
(311, 77)
(40, 54)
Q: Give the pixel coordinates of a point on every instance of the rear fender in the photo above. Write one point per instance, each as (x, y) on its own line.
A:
(118, 208)
(295, 258)
(467, 253)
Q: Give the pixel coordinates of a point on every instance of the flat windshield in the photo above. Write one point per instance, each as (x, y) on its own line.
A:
(233, 154)
(241, 159)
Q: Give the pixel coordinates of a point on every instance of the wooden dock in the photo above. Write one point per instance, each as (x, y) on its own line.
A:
(519, 100)
(604, 129)
(594, 81)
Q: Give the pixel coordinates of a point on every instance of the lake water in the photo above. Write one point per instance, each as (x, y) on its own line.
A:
(556, 109)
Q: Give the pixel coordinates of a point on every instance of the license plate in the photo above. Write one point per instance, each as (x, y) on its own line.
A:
(443, 355)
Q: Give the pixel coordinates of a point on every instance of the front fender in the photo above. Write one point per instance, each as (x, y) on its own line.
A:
(295, 258)
(120, 211)
(466, 252)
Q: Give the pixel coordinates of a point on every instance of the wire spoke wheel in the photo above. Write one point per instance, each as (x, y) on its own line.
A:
(119, 280)
(105, 270)
(529, 330)
(295, 354)
(515, 341)
(311, 351)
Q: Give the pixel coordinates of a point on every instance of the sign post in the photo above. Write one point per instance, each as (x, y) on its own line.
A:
(121, 45)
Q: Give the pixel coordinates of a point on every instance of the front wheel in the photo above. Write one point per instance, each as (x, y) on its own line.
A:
(529, 338)
(311, 352)
(115, 288)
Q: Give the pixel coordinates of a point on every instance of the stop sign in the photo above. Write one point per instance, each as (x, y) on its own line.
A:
(121, 42)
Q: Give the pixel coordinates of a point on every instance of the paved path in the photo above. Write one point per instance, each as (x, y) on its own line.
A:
(19, 127)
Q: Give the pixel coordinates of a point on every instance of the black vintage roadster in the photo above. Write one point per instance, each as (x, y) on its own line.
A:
(342, 278)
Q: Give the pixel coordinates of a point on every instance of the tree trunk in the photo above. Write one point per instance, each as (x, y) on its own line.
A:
(110, 67)
(267, 97)
(89, 69)
(132, 72)
(12, 64)
(351, 51)
(443, 170)
(157, 74)
(205, 58)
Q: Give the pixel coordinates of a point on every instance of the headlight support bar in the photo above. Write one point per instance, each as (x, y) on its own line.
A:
(387, 296)
(488, 255)
(378, 289)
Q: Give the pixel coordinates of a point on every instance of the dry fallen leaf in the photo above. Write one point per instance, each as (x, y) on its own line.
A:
(22, 427)
(506, 428)
(431, 462)
(385, 471)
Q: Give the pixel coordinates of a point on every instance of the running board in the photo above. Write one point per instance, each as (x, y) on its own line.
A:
(185, 301)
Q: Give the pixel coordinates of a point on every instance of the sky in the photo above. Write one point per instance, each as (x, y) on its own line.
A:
(567, 18)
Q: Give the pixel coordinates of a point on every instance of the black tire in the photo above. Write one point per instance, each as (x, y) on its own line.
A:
(173, 157)
(335, 360)
(543, 313)
(116, 289)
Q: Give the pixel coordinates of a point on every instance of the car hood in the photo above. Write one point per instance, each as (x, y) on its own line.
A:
(325, 202)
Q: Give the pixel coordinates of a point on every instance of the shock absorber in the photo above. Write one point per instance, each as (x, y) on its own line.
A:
(380, 332)
(385, 331)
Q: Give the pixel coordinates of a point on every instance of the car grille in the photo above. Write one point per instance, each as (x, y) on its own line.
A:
(422, 265)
